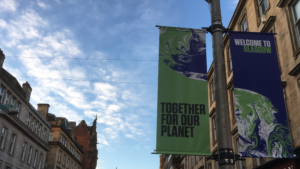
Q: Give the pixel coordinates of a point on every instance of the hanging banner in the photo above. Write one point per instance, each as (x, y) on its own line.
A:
(258, 96)
(182, 107)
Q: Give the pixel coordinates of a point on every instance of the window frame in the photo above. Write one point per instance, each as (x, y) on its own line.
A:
(40, 161)
(36, 154)
(7, 97)
(214, 128)
(32, 124)
(212, 91)
(2, 89)
(229, 61)
(29, 155)
(59, 156)
(295, 23)
(242, 24)
(2, 141)
(23, 152)
(12, 144)
(261, 3)
(29, 120)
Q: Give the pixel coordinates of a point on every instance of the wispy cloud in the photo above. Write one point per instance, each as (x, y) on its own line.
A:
(8, 5)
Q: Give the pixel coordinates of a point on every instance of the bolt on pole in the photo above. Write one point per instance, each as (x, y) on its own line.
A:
(225, 151)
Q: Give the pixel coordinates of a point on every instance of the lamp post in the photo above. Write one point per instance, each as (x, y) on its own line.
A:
(225, 156)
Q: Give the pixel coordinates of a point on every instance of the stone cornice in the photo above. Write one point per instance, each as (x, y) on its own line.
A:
(269, 23)
(295, 71)
(282, 3)
(26, 130)
(66, 150)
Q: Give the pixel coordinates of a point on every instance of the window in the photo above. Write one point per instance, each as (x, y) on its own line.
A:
(212, 91)
(71, 148)
(28, 120)
(217, 165)
(6, 99)
(36, 127)
(214, 126)
(241, 164)
(71, 165)
(23, 151)
(44, 134)
(229, 62)
(3, 136)
(39, 130)
(1, 93)
(64, 160)
(244, 25)
(12, 143)
(40, 161)
(29, 155)
(263, 6)
(259, 161)
(63, 140)
(59, 155)
(35, 158)
(12, 102)
(18, 107)
(51, 136)
(32, 124)
(296, 17)
(231, 94)
(209, 166)
(77, 155)
(68, 162)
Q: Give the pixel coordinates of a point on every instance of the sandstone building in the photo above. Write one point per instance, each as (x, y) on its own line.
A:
(87, 138)
(277, 16)
(23, 131)
(66, 153)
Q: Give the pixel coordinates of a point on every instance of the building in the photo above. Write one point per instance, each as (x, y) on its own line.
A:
(24, 132)
(276, 16)
(65, 152)
(87, 138)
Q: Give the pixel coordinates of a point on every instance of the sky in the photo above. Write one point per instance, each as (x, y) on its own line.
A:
(99, 57)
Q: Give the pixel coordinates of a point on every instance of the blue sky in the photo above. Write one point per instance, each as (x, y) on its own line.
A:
(60, 47)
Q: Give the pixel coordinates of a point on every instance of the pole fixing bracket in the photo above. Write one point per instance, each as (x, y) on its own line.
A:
(216, 26)
(226, 156)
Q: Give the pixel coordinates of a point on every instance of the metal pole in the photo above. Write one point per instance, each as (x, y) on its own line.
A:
(222, 109)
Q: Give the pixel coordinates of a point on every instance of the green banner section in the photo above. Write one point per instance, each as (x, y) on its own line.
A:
(182, 107)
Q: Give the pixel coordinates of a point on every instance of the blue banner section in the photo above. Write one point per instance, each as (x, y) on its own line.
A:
(258, 96)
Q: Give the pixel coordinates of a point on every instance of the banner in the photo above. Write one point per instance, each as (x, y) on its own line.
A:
(258, 96)
(182, 107)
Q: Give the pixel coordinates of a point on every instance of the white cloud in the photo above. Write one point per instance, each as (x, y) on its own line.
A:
(42, 4)
(8, 5)
(3, 24)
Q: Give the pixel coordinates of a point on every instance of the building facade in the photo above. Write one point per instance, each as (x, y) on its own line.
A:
(23, 131)
(65, 152)
(87, 138)
(274, 16)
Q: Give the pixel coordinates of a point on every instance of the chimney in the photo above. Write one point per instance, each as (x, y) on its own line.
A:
(27, 89)
(2, 57)
(43, 109)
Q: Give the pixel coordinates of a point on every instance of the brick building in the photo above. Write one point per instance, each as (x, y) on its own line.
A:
(23, 131)
(87, 138)
(65, 152)
(276, 16)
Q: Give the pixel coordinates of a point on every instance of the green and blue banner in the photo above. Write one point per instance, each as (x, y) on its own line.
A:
(182, 107)
(258, 96)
